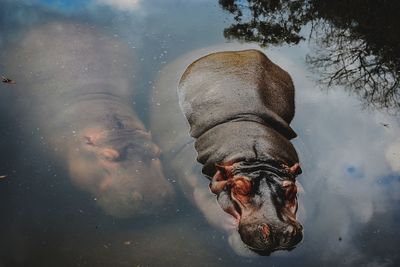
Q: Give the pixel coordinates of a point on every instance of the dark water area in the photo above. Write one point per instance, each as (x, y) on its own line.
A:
(347, 121)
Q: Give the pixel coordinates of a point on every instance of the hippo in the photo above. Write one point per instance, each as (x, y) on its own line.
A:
(237, 107)
(76, 86)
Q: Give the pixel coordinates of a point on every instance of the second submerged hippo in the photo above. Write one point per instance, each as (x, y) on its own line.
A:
(239, 106)
(76, 86)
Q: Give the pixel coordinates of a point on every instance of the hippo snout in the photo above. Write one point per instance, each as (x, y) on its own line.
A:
(264, 239)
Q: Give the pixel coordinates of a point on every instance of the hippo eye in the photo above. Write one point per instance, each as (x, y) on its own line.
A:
(242, 186)
(290, 192)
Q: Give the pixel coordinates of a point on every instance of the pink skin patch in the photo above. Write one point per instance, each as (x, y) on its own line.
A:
(221, 177)
(109, 153)
(294, 170)
(240, 187)
(94, 135)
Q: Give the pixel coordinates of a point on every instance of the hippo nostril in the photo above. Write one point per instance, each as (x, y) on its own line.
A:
(289, 235)
(265, 231)
(290, 230)
(292, 236)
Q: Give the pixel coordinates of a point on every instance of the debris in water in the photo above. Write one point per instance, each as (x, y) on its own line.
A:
(7, 80)
(3, 176)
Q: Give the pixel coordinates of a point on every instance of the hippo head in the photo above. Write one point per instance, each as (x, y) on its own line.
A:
(122, 169)
(263, 200)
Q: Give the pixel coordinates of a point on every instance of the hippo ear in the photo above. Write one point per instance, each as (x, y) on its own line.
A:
(88, 140)
(221, 178)
(290, 196)
(294, 170)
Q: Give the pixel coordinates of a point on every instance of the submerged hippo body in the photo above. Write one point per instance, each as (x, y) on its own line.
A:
(238, 107)
(76, 85)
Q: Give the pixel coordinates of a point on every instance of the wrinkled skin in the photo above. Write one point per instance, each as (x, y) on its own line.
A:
(75, 85)
(264, 206)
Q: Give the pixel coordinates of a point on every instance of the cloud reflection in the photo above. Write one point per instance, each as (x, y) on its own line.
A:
(129, 5)
(345, 151)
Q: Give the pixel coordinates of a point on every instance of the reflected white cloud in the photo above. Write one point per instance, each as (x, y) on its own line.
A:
(128, 5)
(393, 156)
(346, 153)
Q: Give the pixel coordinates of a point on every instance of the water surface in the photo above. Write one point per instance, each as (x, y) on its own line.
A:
(348, 143)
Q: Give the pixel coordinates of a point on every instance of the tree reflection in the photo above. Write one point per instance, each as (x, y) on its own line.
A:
(358, 41)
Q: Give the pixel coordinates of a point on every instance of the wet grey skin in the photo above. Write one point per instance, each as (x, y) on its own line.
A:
(239, 106)
(75, 88)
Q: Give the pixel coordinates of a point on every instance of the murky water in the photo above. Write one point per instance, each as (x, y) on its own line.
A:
(348, 144)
